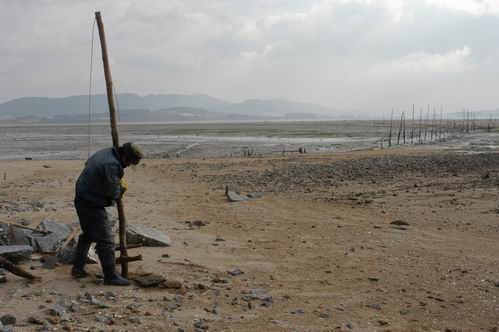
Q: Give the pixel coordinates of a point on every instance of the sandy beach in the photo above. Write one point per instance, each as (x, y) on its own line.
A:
(321, 242)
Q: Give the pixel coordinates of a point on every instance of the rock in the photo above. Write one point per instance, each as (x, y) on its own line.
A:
(234, 197)
(349, 326)
(404, 312)
(235, 272)
(49, 263)
(1, 327)
(255, 195)
(108, 320)
(11, 235)
(298, 312)
(147, 236)
(200, 323)
(62, 231)
(135, 320)
(197, 223)
(89, 298)
(375, 306)
(230, 187)
(150, 280)
(173, 284)
(3, 279)
(66, 255)
(258, 294)
(74, 307)
(35, 320)
(497, 284)
(399, 222)
(218, 280)
(16, 254)
(56, 310)
(8, 320)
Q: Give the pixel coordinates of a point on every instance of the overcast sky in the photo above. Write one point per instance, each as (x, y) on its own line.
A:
(365, 55)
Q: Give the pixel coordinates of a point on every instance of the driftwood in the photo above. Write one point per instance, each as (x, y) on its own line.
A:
(128, 259)
(41, 231)
(9, 266)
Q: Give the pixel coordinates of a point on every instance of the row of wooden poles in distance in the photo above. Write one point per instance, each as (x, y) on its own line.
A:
(435, 126)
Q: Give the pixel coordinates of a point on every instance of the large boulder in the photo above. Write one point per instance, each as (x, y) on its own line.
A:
(16, 254)
(147, 236)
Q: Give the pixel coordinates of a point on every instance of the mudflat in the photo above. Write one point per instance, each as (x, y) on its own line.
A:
(405, 239)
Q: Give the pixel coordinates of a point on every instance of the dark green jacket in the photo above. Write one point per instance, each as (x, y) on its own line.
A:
(99, 182)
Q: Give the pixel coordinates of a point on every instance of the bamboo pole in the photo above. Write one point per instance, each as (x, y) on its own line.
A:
(412, 125)
(391, 126)
(116, 143)
(420, 123)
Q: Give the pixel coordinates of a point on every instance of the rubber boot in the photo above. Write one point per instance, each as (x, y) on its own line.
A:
(82, 248)
(108, 262)
(111, 277)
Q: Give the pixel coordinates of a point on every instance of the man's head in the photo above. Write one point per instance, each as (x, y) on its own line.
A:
(131, 154)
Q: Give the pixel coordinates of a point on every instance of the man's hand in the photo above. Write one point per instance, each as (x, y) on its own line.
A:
(124, 185)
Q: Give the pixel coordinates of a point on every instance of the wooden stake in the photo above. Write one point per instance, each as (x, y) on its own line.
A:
(116, 142)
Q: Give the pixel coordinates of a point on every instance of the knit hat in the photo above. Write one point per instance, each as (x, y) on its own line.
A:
(133, 152)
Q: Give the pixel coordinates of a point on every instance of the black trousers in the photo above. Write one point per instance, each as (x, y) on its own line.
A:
(96, 227)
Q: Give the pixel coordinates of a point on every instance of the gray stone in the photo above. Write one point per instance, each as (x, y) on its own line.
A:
(375, 306)
(258, 294)
(234, 197)
(45, 243)
(235, 272)
(148, 236)
(150, 280)
(255, 195)
(298, 312)
(135, 320)
(52, 226)
(67, 254)
(201, 324)
(16, 254)
(3, 279)
(8, 320)
(56, 310)
(11, 235)
(35, 320)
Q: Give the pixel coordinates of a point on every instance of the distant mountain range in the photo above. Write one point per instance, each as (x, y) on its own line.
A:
(159, 107)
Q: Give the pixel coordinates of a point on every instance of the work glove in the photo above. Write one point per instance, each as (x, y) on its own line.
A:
(124, 185)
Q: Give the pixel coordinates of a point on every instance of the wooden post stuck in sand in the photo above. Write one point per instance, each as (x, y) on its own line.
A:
(116, 143)
(391, 126)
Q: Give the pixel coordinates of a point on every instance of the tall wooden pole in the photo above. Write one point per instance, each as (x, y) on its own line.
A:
(116, 142)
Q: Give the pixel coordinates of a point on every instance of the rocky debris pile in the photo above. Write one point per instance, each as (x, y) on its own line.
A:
(302, 177)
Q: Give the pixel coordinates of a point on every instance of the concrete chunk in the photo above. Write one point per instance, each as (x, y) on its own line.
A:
(148, 236)
(16, 254)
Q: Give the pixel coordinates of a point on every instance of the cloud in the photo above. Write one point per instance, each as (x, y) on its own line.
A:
(423, 63)
(473, 7)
